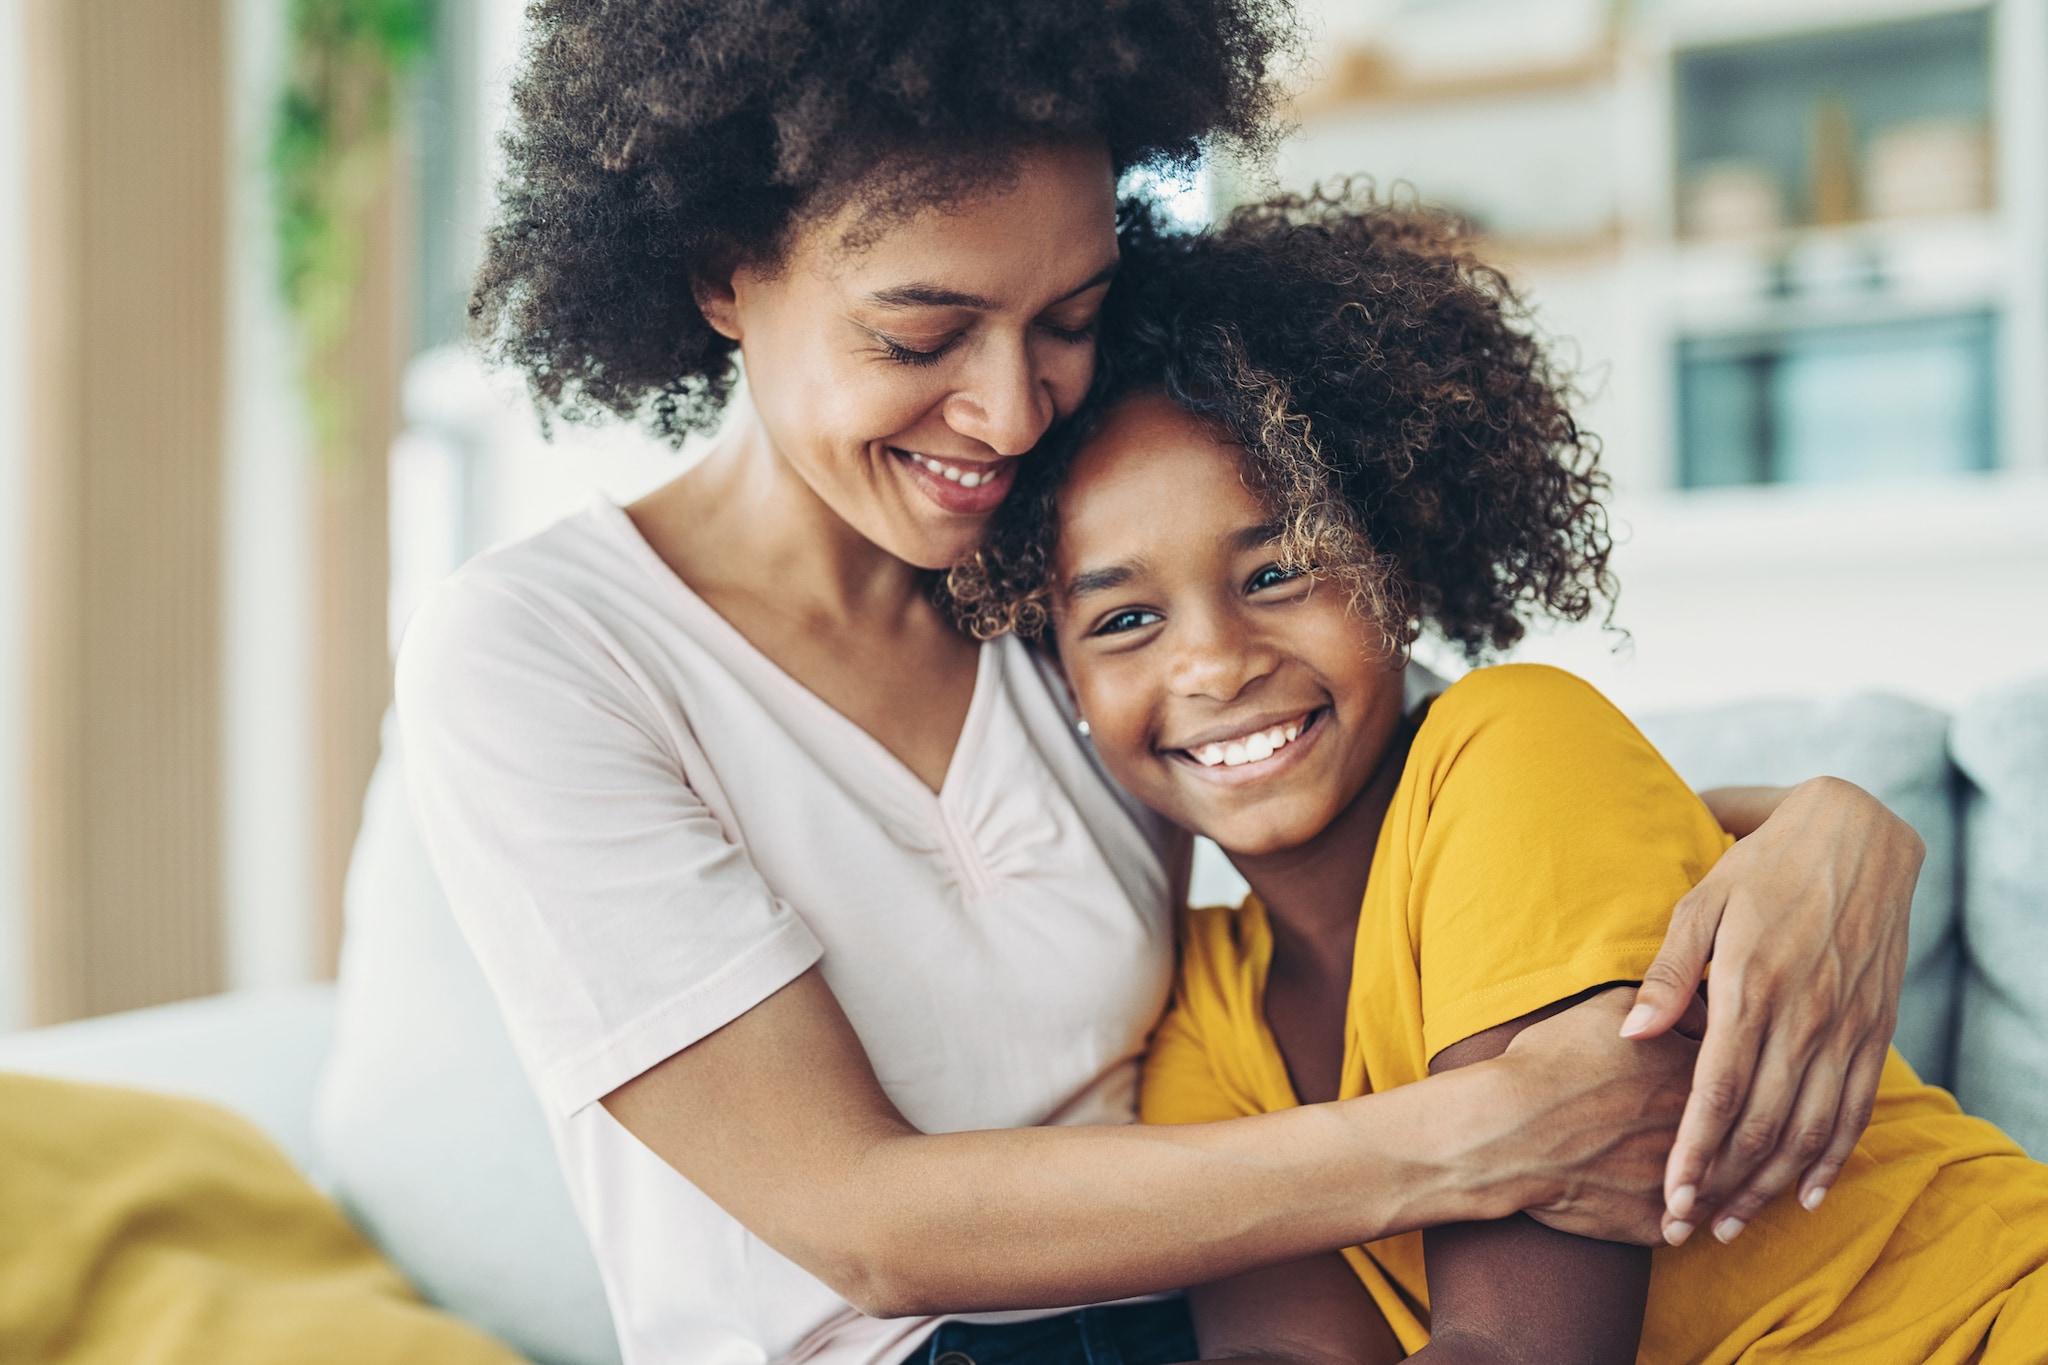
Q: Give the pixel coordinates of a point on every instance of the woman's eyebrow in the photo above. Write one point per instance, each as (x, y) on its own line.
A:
(938, 296)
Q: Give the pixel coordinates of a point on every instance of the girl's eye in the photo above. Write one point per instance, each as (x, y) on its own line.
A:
(1073, 336)
(1122, 622)
(1272, 576)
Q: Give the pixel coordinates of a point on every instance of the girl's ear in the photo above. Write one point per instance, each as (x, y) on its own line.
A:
(717, 302)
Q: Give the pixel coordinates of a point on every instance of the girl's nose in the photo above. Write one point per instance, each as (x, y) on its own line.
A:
(1217, 659)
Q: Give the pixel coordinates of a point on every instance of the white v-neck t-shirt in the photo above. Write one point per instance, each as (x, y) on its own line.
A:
(645, 828)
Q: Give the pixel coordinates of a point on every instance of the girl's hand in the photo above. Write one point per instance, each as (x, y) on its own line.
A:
(1804, 921)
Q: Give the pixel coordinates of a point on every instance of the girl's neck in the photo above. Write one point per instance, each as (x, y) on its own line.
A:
(1313, 892)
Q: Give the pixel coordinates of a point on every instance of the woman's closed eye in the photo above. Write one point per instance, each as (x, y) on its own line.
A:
(1073, 336)
(904, 353)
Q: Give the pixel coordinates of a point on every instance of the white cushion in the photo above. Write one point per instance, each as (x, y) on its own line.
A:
(1892, 748)
(2000, 743)
(435, 1143)
(258, 1053)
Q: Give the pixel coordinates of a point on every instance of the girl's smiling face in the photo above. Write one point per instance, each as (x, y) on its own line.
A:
(1241, 699)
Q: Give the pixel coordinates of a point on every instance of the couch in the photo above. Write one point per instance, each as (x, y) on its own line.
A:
(397, 1090)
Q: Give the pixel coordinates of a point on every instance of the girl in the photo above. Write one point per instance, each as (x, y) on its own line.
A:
(1319, 431)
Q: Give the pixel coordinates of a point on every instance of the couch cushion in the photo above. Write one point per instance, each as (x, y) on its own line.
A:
(257, 1052)
(2000, 743)
(141, 1227)
(1894, 749)
(426, 1125)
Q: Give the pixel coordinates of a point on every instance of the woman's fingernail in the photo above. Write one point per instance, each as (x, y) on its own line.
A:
(1680, 1202)
(1677, 1233)
(1811, 1199)
(1728, 1229)
(1638, 1020)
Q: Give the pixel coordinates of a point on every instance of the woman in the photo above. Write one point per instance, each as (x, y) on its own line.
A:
(774, 873)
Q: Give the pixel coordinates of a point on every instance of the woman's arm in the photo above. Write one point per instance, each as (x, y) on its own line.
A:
(1804, 921)
(778, 1117)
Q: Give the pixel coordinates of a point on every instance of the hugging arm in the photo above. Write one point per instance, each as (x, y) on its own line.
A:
(779, 1118)
(1804, 921)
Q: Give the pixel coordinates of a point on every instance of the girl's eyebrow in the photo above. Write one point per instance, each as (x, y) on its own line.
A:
(1100, 580)
(1256, 537)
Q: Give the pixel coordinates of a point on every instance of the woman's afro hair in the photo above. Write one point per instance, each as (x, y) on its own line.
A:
(656, 139)
(1410, 435)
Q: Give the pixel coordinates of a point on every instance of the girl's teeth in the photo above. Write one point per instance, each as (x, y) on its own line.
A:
(1250, 749)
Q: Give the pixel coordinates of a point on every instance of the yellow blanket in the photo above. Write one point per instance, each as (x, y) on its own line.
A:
(141, 1230)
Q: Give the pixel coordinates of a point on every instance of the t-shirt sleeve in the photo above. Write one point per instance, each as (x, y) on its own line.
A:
(616, 921)
(1547, 843)
(1181, 1084)
(1196, 1064)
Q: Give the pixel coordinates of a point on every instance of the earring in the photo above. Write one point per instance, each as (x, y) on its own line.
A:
(1082, 726)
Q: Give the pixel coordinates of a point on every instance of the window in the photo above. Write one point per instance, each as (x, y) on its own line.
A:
(1827, 404)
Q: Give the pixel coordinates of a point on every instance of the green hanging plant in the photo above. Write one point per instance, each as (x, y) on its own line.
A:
(330, 155)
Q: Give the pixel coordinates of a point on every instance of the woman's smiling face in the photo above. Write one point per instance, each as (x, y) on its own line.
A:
(902, 377)
(1241, 700)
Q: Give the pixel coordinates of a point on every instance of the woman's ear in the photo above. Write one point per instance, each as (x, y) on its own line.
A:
(717, 302)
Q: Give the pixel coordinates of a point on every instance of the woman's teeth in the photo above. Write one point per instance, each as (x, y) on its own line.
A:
(1235, 753)
(966, 478)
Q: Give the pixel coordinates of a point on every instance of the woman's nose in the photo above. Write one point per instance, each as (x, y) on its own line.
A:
(1005, 404)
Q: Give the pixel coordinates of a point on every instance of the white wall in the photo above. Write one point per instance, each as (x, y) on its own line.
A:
(14, 717)
(1932, 589)
(267, 567)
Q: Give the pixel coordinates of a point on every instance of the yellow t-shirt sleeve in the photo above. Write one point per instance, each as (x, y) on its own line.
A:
(1542, 842)
(1203, 1064)
(1181, 1086)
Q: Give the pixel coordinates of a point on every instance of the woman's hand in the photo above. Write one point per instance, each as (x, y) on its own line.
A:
(1804, 921)
(1593, 1118)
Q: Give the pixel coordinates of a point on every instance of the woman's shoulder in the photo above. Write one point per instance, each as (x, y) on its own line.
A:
(580, 560)
(532, 612)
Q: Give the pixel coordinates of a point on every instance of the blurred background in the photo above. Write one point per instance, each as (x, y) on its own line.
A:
(1796, 249)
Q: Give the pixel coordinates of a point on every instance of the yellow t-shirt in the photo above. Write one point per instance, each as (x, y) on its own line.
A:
(1533, 850)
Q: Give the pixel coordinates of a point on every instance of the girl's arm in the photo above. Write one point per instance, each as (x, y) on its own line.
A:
(1804, 921)
(1508, 1291)
(1514, 1292)
(778, 1117)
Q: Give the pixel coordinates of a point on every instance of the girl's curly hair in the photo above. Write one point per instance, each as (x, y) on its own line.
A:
(1411, 436)
(655, 139)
